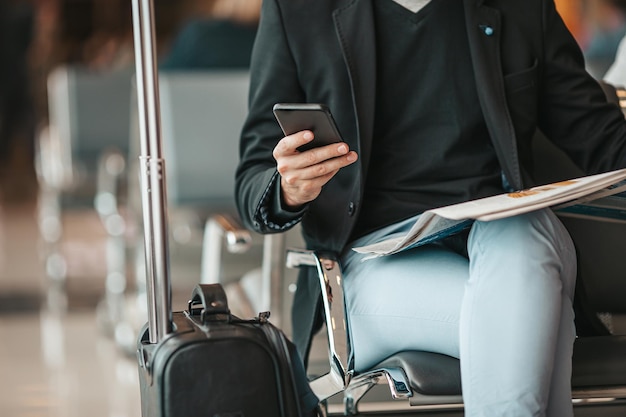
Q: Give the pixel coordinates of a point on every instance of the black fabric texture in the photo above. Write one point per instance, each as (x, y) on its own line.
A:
(443, 154)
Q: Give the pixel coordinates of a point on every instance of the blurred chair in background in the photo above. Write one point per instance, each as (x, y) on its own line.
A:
(204, 87)
(88, 158)
(81, 162)
(201, 117)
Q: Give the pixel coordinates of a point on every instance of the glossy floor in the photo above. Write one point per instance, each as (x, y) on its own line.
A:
(61, 366)
(55, 361)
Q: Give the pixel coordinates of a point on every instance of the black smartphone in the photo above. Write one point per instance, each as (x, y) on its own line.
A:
(295, 117)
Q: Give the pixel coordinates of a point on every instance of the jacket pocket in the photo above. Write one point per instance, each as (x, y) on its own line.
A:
(521, 80)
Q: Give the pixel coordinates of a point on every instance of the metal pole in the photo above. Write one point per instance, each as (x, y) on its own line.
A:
(152, 167)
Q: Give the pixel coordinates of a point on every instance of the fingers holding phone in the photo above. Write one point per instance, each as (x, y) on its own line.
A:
(311, 152)
(303, 174)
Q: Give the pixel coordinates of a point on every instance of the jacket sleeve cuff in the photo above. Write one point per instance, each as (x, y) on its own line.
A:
(272, 212)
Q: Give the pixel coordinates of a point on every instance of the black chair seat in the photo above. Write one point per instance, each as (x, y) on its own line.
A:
(428, 373)
(598, 362)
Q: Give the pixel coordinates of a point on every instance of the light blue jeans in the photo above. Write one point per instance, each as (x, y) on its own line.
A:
(506, 312)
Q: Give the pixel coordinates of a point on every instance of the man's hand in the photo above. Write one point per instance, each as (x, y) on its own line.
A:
(303, 174)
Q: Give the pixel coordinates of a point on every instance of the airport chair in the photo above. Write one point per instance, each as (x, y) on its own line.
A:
(201, 118)
(202, 113)
(81, 159)
(89, 122)
(431, 381)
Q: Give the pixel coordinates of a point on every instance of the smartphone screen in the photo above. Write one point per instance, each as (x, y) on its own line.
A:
(295, 117)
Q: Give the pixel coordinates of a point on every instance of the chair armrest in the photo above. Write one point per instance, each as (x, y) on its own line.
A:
(221, 228)
(331, 281)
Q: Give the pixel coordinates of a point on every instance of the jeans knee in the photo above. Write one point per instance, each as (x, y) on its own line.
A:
(538, 230)
(529, 241)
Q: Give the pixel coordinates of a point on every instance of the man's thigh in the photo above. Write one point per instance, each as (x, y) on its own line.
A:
(410, 300)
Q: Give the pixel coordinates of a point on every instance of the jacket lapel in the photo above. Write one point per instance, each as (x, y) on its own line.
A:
(354, 25)
(484, 34)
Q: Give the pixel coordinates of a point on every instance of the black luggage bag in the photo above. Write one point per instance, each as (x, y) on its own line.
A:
(216, 365)
(202, 362)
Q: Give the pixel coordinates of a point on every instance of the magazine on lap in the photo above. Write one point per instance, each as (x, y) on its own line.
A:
(576, 197)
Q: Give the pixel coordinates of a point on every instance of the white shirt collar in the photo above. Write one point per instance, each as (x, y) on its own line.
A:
(413, 5)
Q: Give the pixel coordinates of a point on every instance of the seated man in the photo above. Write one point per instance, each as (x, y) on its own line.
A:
(437, 102)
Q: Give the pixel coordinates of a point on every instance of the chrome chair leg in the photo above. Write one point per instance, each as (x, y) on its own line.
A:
(331, 277)
(395, 378)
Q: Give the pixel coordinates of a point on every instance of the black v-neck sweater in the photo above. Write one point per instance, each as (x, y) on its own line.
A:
(431, 146)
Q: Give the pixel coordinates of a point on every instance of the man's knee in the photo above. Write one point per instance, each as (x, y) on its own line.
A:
(525, 242)
(537, 230)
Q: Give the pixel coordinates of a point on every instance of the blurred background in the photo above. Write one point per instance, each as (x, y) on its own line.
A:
(598, 26)
(72, 295)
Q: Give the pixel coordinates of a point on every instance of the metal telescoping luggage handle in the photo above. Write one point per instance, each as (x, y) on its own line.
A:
(153, 187)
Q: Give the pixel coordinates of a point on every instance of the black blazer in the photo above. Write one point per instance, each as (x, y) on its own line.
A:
(529, 75)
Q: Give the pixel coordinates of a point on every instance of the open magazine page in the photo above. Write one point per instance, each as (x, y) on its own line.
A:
(511, 204)
(441, 222)
(599, 205)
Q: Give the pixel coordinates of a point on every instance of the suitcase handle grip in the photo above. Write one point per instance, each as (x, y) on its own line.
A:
(213, 300)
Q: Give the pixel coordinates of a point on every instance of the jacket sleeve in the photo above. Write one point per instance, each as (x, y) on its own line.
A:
(573, 109)
(273, 79)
